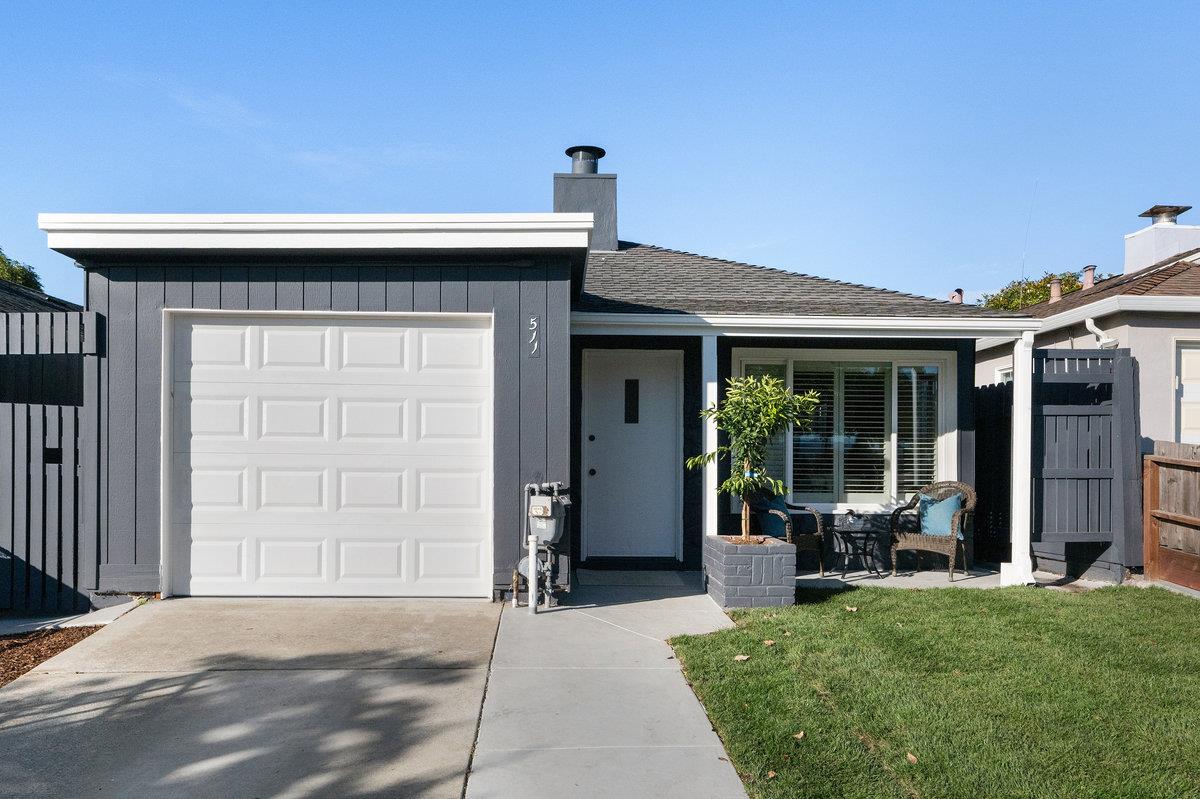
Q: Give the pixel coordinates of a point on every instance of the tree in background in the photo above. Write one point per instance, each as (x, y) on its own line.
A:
(1030, 291)
(14, 271)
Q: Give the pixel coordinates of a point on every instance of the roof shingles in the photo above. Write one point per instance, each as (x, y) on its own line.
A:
(15, 297)
(1177, 276)
(642, 278)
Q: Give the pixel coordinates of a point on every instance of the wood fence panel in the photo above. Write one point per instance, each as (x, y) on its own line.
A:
(1171, 493)
(43, 361)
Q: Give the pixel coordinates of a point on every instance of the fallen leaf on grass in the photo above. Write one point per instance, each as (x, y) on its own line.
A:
(768, 642)
(741, 658)
(911, 758)
(799, 736)
(852, 608)
(770, 775)
(786, 633)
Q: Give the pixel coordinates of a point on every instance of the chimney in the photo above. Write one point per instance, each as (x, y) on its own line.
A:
(585, 189)
(1161, 239)
(1089, 276)
(956, 297)
(1055, 290)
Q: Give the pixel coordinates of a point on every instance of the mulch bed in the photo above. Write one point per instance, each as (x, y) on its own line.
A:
(25, 651)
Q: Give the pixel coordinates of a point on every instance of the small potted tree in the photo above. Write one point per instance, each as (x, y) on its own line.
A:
(745, 571)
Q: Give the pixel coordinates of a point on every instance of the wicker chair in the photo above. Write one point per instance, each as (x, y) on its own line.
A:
(948, 545)
(814, 542)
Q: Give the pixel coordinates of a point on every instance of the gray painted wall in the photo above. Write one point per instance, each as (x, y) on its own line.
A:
(1151, 339)
(532, 394)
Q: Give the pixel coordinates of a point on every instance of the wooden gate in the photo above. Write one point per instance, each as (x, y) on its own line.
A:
(1086, 503)
(44, 561)
(1172, 513)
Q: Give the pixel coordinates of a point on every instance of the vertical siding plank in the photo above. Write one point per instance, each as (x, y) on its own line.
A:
(177, 293)
(122, 414)
(317, 288)
(235, 287)
(507, 435)
(454, 288)
(92, 458)
(289, 288)
(427, 288)
(206, 286)
(150, 299)
(344, 291)
(261, 281)
(533, 376)
(480, 289)
(399, 288)
(557, 330)
(372, 287)
(52, 504)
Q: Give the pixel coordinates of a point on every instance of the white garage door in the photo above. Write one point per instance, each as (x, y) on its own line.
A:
(331, 456)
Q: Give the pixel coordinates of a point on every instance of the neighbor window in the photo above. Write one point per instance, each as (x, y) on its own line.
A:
(876, 432)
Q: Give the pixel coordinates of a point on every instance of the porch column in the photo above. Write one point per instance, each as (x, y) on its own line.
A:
(708, 382)
(1020, 570)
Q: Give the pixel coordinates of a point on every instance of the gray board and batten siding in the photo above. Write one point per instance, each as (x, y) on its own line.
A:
(532, 389)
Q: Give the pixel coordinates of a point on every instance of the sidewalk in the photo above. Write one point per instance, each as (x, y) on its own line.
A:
(587, 700)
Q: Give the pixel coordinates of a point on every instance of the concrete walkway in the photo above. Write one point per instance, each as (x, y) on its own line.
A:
(587, 700)
(255, 698)
(16, 624)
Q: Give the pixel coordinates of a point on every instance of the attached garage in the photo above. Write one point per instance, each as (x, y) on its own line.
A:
(320, 405)
(330, 455)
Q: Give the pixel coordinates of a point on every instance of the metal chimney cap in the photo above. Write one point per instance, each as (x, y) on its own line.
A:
(1165, 213)
(584, 158)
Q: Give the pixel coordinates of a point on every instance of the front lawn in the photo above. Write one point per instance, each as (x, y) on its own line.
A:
(959, 693)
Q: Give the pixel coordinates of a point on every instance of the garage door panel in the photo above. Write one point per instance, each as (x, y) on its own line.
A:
(264, 417)
(330, 561)
(331, 456)
(365, 352)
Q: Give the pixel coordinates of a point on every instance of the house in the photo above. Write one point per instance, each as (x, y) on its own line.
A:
(1152, 308)
(350, 404)
(15, 298)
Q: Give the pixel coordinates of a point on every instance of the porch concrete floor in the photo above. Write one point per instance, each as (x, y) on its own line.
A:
(978, 577)
(587, 700)
(255, 697)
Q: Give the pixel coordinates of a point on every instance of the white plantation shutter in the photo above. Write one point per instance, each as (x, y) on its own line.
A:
(864, 435)
(777, 450)
(916, 427)
(1188, 394)
(814, 460)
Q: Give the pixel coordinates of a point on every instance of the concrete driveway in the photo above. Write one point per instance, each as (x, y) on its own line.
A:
(256, 698)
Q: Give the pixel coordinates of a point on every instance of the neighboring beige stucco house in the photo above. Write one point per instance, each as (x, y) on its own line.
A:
(1153, 309)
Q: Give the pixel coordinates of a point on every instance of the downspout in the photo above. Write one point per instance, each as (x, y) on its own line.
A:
(1102, 339)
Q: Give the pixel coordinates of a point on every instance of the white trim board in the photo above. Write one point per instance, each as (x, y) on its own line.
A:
(1100, 308)
(74, 232)
(669, 324)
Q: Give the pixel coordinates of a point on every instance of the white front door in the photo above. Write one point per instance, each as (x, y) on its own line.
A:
(1187, 391)
(339, 456)
(632, 455)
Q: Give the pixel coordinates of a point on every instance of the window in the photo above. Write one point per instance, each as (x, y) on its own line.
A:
(1004, 374)
(880, 431)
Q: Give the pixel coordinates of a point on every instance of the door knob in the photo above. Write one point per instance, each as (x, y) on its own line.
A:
(591, 438)
(591, 472)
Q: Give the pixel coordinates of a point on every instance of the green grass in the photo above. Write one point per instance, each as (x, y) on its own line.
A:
(1015, 692)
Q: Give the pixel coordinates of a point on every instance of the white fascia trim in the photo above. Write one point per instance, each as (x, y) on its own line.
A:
(315, 231)
(594, 323)
(1106, 307)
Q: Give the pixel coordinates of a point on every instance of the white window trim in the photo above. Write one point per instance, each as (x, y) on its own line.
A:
(1179, 344)
(947, 446)
(1003, 374)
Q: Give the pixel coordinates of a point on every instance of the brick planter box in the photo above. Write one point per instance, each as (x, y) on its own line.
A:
(749, 575)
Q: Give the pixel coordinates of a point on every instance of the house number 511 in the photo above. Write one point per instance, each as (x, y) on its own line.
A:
(535, 337)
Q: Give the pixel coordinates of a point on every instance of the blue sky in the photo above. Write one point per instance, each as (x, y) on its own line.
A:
(895, 145)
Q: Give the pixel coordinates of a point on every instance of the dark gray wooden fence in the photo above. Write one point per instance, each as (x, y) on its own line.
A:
(993, 472)
(1087, 480)
(1086, 463)
(43, 360)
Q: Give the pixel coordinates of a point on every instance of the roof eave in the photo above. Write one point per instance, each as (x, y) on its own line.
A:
(684, 324)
